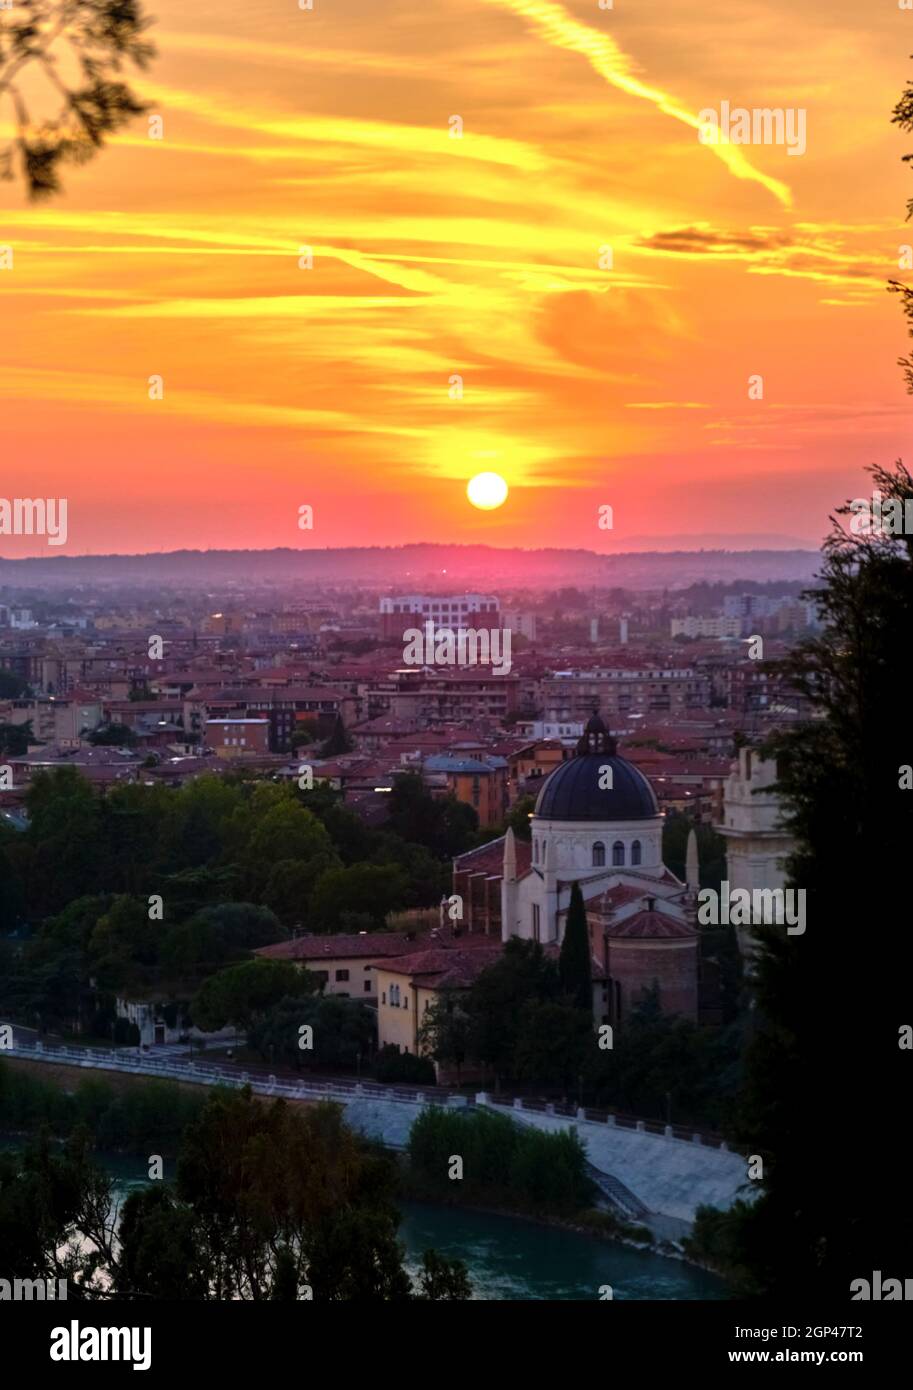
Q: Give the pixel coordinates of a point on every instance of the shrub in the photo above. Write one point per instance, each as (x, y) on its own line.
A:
(392, 1065)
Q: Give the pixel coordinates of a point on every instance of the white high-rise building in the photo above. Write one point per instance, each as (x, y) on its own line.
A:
(447, 611)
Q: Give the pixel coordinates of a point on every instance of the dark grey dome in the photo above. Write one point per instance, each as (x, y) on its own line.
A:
(572, 791)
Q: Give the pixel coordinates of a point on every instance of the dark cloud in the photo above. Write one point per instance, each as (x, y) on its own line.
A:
(702, 240)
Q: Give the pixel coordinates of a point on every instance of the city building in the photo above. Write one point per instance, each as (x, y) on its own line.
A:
(481, 783)
(622, 691)
(692, 626)
(233, 738)
(410, 984)
(597, 823)
(455, 611)
(757, 845)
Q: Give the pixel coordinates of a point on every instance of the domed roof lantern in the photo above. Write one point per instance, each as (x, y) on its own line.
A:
(596, 738)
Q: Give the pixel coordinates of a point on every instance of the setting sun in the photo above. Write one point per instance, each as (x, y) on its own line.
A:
(487, 491)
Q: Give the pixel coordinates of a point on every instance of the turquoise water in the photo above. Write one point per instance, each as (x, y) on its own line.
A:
(508, 1258)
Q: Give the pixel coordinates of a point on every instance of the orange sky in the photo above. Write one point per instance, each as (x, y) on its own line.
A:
(478, 256)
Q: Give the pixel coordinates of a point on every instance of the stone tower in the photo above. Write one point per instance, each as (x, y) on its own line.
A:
(756, 844)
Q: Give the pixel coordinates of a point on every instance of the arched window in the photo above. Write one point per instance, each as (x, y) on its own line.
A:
(618, 853)
(535, 851)
(635, 852)
(598, 854)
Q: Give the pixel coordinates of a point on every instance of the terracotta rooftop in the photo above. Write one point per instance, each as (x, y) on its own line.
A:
(370, 946)
(650, 925)
(489, 859)
(453, 968)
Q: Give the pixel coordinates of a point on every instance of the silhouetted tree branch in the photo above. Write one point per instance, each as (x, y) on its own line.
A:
(73, 51)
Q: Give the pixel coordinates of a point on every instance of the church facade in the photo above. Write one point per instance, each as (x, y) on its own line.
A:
(597, 824)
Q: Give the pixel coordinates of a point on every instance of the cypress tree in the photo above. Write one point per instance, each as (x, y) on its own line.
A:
(574, 966)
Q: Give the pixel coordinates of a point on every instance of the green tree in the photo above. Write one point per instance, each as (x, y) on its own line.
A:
(841, 776)
(270, 1202)
(518, 817)
(215, 936)
(12, 687)
(291, 883)
(371, 889)
(442, 824)
(280, 832)
(207, 816)
(64, 836)
(442, 1280)
(339, 741)
(123, 949)
(504, 1164)
(305, 732)
(554, 1042)
(495, 1002)
(344, 1032)
(243, 994)
(113, 736)
(575, 968)
(12, 884)
(15, 738)
(392, 1065)
(57, 1214)
(446, 1030)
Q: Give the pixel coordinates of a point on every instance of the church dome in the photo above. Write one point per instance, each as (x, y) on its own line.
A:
(573, 792)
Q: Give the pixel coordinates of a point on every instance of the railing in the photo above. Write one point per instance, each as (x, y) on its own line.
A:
(612, 1117)
(341, 1088)
(117, 1059)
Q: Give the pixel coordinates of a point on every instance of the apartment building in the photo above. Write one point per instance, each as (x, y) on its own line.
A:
(622, 691)
(455, 611)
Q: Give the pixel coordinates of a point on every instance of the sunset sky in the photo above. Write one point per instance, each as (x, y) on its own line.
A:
(478, 257)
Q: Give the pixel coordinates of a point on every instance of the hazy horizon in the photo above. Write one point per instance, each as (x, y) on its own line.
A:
(349, 308)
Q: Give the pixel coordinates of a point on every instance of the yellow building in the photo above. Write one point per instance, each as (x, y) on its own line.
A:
(345, 965)
(408, 985)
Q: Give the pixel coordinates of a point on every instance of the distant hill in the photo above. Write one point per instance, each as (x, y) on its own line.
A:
(415, 567)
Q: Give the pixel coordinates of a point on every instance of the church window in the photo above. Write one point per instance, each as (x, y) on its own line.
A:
(598, 855)
(635, 852)
(535, 851)
(618, 854)
(535, 921)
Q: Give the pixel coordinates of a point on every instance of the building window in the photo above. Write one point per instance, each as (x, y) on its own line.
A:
(598, 855)
(383, 997)
(635, 852)
(342, 974)
(618, 853)
(367, 986)
(535, 921)
(535, 851)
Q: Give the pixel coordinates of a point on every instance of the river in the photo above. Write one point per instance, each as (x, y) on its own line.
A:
(508, 1258)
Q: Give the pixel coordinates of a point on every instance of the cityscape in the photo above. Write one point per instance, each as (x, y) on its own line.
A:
(454, 682)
